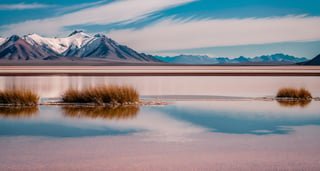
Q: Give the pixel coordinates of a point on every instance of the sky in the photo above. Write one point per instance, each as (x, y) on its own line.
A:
(229, 28)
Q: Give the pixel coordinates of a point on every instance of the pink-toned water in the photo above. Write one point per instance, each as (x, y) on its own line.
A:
(296, 151)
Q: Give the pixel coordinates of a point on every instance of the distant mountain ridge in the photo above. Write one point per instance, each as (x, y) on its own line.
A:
(203, 59)
(77, 44)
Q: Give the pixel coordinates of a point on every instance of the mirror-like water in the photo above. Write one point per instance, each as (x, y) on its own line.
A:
(171, 121)
(207, 134)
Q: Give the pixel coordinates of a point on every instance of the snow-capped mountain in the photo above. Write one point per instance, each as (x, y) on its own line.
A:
(15, 48)
(103, 47)
(59, 45)
(75, 41)
(77, 44)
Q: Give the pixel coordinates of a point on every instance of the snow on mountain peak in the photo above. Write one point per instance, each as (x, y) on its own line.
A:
(78, 39)
(33, 38)
(55, 44)
(59, 45)
(2, 40)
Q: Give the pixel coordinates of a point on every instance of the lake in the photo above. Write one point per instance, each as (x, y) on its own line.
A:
(209, 123)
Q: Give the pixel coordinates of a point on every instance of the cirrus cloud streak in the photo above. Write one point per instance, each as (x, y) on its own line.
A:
(115, 12)
(23, 6)
(171, 34)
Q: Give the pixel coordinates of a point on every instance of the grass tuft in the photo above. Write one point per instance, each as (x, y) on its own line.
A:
(294, 93)
(18, 97)
(103, 94)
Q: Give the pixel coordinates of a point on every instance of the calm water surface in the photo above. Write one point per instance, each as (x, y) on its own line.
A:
(54, 86)
(184, 135)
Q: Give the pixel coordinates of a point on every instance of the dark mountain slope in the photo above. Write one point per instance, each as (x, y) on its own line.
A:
(314, 61)
(15, 48)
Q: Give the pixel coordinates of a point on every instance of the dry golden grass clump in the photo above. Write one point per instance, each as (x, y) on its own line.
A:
(18, 97)
(294, 93)
(18, 111)
(120, 112)
(103, 94)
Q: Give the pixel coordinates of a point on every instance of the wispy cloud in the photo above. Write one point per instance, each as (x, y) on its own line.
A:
(79, 6)
(173, 34)
(118, 11)
(23, 6)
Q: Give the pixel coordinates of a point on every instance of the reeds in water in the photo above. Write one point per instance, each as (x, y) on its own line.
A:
(103, 94)
(290, 97)
(18, 97)
(294, 93)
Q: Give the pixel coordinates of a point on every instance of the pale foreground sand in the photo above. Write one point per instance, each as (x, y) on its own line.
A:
(162, 70)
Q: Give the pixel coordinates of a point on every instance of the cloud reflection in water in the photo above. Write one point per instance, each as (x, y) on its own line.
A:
(244, 117)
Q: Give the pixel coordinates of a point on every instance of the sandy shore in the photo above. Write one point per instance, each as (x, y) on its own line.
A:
(161, 70)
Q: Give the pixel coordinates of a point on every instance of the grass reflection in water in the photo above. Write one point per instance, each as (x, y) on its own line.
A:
(18, 111)
(294, 103)
(117, 113)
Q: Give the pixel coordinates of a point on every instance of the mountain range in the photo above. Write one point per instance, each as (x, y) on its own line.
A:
(77, 45)
(80, 48)
(203, 59)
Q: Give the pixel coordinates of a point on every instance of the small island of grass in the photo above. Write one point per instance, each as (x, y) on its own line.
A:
(102, 95)
(296, 94)
(290, 97)
(18, 97)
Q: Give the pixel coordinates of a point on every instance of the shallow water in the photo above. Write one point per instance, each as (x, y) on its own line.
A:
(54, 86)
(183, 135)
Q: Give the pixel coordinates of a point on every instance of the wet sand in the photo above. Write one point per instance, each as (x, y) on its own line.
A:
(161, 70)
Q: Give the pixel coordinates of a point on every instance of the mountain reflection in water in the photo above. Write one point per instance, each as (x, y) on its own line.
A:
(18, 111)
(117, 113)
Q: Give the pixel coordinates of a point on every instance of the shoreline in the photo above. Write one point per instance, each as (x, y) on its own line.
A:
(160, 71)
(163, 101)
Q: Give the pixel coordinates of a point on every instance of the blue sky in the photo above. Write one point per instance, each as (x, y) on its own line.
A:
(228, 28)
